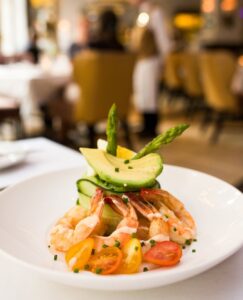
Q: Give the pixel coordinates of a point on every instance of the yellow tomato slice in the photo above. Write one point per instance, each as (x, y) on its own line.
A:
(105, 261)
(132, 257)
(122, 152)
(78, 255)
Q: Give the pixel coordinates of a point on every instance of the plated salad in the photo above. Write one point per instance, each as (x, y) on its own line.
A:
(123, 222)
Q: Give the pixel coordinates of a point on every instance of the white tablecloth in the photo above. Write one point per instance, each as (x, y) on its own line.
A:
(30, 85)
(43, 156)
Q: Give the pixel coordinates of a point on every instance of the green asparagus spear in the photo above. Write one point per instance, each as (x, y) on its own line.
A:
(111, 131)
(162, 139)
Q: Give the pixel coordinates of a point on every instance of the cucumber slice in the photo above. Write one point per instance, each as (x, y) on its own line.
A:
(110, 218)
(88, 185)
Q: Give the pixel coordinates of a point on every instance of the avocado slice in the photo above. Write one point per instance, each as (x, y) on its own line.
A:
(110, 218)
(135, 174)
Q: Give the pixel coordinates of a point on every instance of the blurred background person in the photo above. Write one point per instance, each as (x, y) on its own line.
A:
(106, 38)
(33, 51)
(82, 39)
(153, 44)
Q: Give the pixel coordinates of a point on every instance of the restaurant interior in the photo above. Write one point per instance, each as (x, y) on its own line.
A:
(63, 63)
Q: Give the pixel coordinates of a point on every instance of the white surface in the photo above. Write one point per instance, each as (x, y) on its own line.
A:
(35, 204)
(43, 156)
(11, 155)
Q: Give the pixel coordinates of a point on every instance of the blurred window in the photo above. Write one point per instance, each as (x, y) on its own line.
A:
(13, 27)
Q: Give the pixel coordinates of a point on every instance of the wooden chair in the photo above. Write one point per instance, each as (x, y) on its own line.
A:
(217, 70)
(104, 78)
(172, 81)
(10, 111)
(191, 81)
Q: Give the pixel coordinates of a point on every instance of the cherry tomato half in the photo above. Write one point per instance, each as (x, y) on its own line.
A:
(105, 261)
(132, 257)
(164, 254)
(78, 255)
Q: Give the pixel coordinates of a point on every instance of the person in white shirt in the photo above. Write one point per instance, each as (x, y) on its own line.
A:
(152, 47)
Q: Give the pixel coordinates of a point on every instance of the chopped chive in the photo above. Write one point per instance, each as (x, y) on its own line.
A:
(174, 229)
(126, 161)
(86, 267)
(130, 167)
(183, 247)
(98, 270)
(93, 252)
(125, 199)
(117, 244)
(55, 257)
(117, 170)
(49, 246)
(76, 271)
(77, 202)
(142, 244)
(194, 240)
(152, 243)
(188, 242)
(193, 250)
(104, 246)
(136, 248)
(166, 216)
(145, 269)
(134, 235)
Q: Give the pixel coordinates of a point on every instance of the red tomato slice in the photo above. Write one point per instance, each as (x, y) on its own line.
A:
(164, 254)
(105, 261)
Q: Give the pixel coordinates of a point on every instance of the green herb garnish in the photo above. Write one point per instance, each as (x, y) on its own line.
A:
(125, 199)
(136, 248)
(126, 161)
(98, 270)
(77, 202)
(117, 170)
(117, 244)
(134, 235)
(86, 267)
(193, 250)
(130, 167)
(76, 271)
(55, 257)
(188, 242)
(152, 243)
(104, 246)
(145, 269)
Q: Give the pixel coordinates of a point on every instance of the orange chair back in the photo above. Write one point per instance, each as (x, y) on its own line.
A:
(217, 70)
(104, 78)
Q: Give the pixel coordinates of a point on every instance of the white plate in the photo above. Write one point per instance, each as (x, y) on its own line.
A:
(28, 209)
(11, 155)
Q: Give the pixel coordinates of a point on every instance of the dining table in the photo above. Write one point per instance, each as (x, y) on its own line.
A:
(34, 85)
(224, 281)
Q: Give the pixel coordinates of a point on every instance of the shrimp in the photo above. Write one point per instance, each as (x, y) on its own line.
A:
(127, 226)
(77, 225)
(158, 228)
(181, 224)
